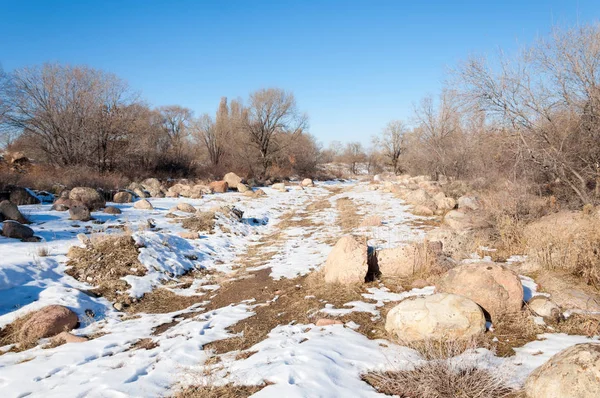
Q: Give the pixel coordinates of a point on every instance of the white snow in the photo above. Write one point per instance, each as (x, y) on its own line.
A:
(296, 360)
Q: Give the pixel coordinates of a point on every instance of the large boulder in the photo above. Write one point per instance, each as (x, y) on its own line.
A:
(243, 188)
(16, 230)
(280, 186)
(544, 307)
(400, 261)
(461, 221)
(420, 197)
(186, 207)
(307, 182)
(573, 372)
(10, 211)
(421, 210)
(143, 204)
(123, 197)
(153, 186)
(79, 213)
(21, 196)
(89, 197)
(64, 204)
(440, 316)
(444, 203)
(497, 289)
(569, 292)
(347, 263)
(219, 186)
(47, 322)
(468, 203)
(112, 210)
(232, 180)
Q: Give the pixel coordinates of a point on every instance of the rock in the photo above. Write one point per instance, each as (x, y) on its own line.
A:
(327, 322)
(140, 193)
(219, 186)
(497, 289)
(259, 193)
(229, 211)
(419, 284)
(243, 188)
(123, 197)
(568, 292)
(432, 187)
(83, 238)
(79, 213)
(461, 221)
(420, 210)
(153, 186)
(89, 197)
(10, 211)
(544, 307)
(118, 306)
(189, 235)
(232, 180)
(47, 322)
(573, 372)
(186, 207)
(347, 262)
(440, 316)
(420, 197)
(444, 203)
(280, 186)
(63, 204)
(143, 204)
(307, 182)
(66, 337)
(21, 196)
(112, 210)
(468, 203)
(16, 230)
(398, 261)
(371, 221)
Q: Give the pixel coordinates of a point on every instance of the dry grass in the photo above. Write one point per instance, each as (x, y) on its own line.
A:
(162, 301)
(512, 331)
(579, 324)
(348, 217)
(104, 261)
(10, 334)
(200, 222)
(567, 241)
(226, 391)
(43, 251)
(437, 377)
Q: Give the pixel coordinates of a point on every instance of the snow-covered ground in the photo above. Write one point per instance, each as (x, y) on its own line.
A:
(295, 360)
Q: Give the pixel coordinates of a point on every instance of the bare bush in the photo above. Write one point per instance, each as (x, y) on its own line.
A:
(445, 370)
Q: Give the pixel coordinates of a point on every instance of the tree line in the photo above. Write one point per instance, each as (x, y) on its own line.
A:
(69, 116)
(532, 118)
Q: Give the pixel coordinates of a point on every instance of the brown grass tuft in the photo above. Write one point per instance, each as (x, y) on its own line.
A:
(436, 379)
(200, 222)
(11, 334)
(104, 261)
(226, 391)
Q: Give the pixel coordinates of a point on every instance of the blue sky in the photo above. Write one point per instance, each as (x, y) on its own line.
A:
(353, 65)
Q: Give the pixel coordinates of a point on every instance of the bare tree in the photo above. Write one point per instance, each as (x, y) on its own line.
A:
(392, 142)
(176, 122)
(549, 96)
(437, 126)
(58, 107)
(271, 112)
(353, 155)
